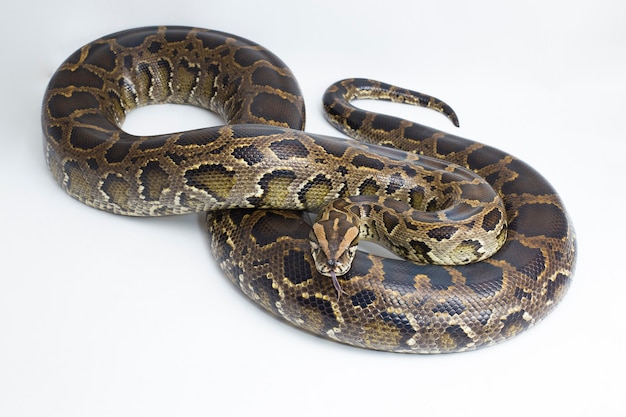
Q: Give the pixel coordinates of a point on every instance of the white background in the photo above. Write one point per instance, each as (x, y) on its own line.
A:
(103, 315)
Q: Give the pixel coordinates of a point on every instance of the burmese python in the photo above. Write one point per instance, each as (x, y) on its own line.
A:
(254, 173)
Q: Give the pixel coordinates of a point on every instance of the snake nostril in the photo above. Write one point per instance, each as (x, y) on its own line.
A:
(331, 262)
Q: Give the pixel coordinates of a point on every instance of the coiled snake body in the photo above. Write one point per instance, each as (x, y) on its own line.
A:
(256, 174)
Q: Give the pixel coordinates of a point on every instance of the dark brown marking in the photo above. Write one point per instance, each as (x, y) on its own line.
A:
(527, 181)
(178, 34)
(60, 106)
(410, 172)
(92, 163)
(297, 268)
(289, 148)
(118, 151)
(452, 144)
(463, 211)
(458, 336)
(176, 157)
(78, 77)
(102, 56)
(367, 162)
(390, 221)
(483, 278)
(557, 288)
(541, 220)
(442, 233)
(86, 138)
(386, 123)
(319, 180)
(54, 132)
(264, 76)
(520, 294)
(396, 205)
(323, 306)
(478, 192)
(332, 147)
(491, 220)
(284, 111)
(484, 316)
(400, 321)
(369, 187)
(245, 131)
(155, 47)
(514, 323)
(452, 306)
(478, 160)
(420, 248)
(97, 120)
(528, 261)
(264, 288)
(250, 154)
(363, 298)
(195, 137)
(271, 227)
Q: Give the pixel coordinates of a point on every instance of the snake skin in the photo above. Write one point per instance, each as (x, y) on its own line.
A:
(254, 172)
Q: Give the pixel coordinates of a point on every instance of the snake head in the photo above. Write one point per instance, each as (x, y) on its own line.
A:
(333, 246)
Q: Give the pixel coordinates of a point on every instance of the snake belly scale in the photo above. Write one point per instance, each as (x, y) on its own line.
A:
(255, 175)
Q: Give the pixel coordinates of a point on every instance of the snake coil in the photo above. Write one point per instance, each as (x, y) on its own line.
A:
(256, 174)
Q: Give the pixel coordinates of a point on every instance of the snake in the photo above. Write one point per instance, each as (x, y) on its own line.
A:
(496, 248)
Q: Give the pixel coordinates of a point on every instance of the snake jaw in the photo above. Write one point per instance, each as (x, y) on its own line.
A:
(327, 264)
(335, 269)
(331, 266)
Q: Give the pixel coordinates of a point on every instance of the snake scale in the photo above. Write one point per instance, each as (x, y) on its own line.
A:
(256, 175)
